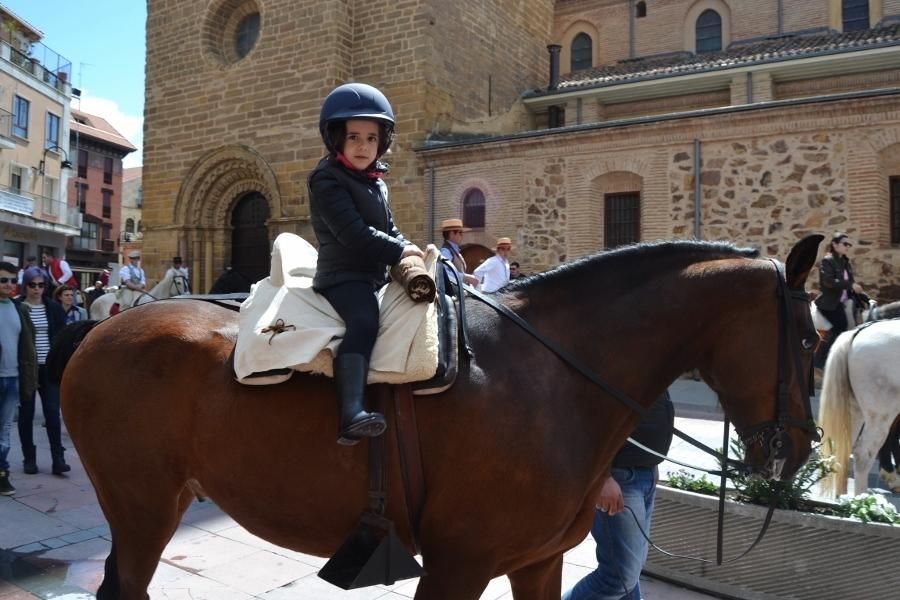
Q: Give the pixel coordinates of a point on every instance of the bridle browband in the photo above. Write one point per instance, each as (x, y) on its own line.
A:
(771, 433)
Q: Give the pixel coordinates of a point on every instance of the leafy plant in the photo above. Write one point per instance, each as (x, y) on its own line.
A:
(683, 480)
(793, 493)
(869, 507)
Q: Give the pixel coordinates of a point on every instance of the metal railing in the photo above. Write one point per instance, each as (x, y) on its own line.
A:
(51, 209)
(42, 62)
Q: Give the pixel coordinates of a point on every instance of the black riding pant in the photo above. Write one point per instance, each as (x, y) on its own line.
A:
(49, 393)
(357, 305)
(838, 320)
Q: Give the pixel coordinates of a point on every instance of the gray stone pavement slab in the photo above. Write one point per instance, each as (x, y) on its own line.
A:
(63, 539)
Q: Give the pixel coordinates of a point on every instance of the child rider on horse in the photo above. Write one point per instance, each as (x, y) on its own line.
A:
(358, 241)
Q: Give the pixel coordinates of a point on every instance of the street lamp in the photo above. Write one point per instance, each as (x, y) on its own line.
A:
(65, 164)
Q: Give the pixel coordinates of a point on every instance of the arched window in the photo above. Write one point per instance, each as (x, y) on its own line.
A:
(855, 14)
(129, 225)
(640, 10)
(246, 35)
(582, 52)
(473, 209)
(709, 31)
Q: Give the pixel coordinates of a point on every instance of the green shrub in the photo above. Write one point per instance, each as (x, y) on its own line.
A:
(683, 480)
(869, 508)
(793, 493)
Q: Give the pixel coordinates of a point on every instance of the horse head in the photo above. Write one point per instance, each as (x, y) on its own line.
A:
(768, 362)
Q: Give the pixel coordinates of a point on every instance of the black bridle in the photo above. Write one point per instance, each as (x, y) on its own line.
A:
(772, 434)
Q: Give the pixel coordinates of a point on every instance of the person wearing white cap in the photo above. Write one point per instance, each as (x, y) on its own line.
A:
(494, 272)
(132, 275)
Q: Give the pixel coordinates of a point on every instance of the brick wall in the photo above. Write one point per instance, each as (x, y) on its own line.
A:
(836, 84)
(768, 177)
(809, 14)
(217, 129)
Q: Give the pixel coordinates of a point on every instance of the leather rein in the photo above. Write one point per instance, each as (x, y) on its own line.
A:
(772, 433)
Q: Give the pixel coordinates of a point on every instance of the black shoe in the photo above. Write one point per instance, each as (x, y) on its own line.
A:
(30, 462)
(59, 461)
(350, 372)
(6, 488)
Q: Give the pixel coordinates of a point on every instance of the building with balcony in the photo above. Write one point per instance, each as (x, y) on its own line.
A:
(132, 210)
(96, 187)
(34, 144)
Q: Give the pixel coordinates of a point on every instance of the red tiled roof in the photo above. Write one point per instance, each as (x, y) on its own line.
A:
(740, 54)
(99, 129)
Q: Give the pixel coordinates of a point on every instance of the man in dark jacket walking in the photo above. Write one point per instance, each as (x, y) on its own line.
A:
(18, 364)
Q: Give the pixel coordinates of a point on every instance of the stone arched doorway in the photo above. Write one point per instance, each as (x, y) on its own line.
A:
(250, 250)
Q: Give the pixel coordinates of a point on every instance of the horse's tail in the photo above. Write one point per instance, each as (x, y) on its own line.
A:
(834, 414)
(64, 346)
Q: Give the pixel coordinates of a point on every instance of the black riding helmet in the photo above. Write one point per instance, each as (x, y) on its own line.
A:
(357, 101)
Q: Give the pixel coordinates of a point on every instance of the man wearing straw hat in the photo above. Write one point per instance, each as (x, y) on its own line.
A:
(132, 275)
(452, 230)
(494, 272)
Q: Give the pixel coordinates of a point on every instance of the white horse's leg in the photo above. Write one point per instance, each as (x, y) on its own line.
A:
(865, 449)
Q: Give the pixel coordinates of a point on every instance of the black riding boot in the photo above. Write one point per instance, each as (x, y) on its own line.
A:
(30, 462)
(59, 462)
(350, 371)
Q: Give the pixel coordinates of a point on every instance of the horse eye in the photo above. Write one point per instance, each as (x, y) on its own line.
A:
(808, 344)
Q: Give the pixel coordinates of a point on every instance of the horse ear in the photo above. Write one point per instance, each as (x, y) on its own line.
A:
(801, 260)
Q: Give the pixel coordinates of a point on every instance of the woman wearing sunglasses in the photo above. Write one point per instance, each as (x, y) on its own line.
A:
(48, 319)
(837, 288)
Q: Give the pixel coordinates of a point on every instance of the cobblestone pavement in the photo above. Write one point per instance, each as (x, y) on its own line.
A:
(54, 539)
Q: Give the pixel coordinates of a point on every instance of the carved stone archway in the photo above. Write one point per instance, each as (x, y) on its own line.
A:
(203, 208)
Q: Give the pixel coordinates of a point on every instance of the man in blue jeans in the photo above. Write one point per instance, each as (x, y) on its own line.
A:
(621, 547)
(18, 364)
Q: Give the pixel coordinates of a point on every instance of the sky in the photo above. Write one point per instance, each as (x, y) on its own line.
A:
(105, 42)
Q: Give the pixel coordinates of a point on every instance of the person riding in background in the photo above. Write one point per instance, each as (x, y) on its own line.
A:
(179, 271)
(452, 230)
(59, 272)
(358, 240)
(132, 275)
(494, 272)
(838, 286)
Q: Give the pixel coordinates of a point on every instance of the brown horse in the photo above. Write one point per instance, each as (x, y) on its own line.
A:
(514, 454)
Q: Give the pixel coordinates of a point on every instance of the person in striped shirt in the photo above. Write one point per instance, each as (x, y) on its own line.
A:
(48, 319)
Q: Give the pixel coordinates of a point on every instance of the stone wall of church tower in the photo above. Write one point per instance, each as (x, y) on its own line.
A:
(217, 127)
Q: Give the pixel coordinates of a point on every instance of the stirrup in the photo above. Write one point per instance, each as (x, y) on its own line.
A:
(372, 425)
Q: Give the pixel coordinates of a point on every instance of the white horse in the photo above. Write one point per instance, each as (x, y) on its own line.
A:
(854, 317)
(169, 287)
(860, 400)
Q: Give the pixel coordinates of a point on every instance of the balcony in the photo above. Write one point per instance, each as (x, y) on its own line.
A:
(7, 142)
(40, 208)
(40, 62)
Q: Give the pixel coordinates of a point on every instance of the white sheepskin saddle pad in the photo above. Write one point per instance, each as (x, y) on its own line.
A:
(285, 324)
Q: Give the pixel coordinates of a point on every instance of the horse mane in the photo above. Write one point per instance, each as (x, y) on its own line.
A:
(628, 258)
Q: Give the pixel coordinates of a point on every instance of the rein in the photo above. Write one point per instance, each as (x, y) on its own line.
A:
(775, 430)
